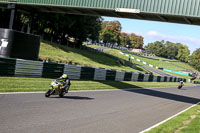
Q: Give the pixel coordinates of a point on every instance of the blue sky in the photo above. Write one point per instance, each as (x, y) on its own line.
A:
(156, 31)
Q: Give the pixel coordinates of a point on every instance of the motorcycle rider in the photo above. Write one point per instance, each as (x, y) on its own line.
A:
(181, 84)
(65, 81)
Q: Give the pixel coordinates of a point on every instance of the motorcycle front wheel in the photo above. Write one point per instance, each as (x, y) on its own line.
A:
(47, 93)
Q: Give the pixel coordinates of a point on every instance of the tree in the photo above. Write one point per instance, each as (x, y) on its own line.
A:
(195, 59)
(58, 27)
(133, 40)
(158, 48)
(139, 42)
(172, 50)
(110, 32)
(124, 39)
(183, 53)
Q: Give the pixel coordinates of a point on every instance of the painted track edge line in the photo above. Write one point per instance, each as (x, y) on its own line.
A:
(39, 92)
(168, 118)
(10, 93)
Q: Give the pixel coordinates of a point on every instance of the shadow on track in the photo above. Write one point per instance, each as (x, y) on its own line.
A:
(155, 93)
(75, 97)
(166, 95)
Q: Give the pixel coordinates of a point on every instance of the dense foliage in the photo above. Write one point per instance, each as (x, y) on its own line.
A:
(132, 40)
(58, 28)
(195, 59)
(67, 28)
(175, 51)
(170, 50)
(111, 34)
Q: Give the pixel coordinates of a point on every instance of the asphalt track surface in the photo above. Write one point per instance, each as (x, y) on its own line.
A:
(118, 111)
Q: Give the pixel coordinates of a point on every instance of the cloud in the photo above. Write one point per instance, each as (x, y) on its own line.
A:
(191, 42)
(152, 33)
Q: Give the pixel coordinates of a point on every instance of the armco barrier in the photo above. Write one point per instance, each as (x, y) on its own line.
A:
(119, 76)
(150, 78)
(100, 74)
(110, 75)
(7, 67)
(154, 78)
(87, 73)
(28, 68)
(74, 72)
(135, 76)
(140, 77)
(52, 70)
(146, 78)
(127, 76)
(196, 82)
(158, 78)
(167, 70)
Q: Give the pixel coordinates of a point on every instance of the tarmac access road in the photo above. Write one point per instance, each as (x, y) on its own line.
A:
(114, 111)
(159, 72)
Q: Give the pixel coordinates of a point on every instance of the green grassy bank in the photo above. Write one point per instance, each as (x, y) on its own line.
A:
(170, 64)
(63, 54)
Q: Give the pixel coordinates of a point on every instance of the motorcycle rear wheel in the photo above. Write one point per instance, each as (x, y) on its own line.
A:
(62, 94)
(180, 86)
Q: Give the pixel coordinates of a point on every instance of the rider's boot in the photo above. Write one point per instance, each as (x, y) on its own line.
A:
(66, 90)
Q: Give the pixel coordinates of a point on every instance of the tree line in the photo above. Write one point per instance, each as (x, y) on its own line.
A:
(55, 27)
(111, 33)
(177, 51)
(61, 27)
(169, 50)
(195, 59)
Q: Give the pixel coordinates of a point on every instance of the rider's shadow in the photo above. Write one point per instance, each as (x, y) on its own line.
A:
(75, 97)
(183, 89)
(78, 97)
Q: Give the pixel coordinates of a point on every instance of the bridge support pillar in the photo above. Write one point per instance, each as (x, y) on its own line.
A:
(12, 14)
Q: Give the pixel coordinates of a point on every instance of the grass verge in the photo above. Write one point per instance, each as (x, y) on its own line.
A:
(59, 53)
(21, 84)
(186, 122)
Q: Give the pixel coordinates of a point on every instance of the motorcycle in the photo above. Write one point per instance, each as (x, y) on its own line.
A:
(55, 89)
(180, 86)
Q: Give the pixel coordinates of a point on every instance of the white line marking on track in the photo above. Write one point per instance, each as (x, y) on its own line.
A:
(12, 93)
(40, 92)
(168, 118)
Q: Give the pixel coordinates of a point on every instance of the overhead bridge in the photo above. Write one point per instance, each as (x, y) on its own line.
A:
(175, 11)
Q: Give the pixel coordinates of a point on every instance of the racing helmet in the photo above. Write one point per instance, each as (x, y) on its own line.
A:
(64, 76)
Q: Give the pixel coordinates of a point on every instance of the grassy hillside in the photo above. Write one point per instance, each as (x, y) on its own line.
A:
(165, 63)
(64, 54)
(171, 64)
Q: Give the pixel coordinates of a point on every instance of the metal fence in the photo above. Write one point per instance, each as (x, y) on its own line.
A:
(28, 68)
